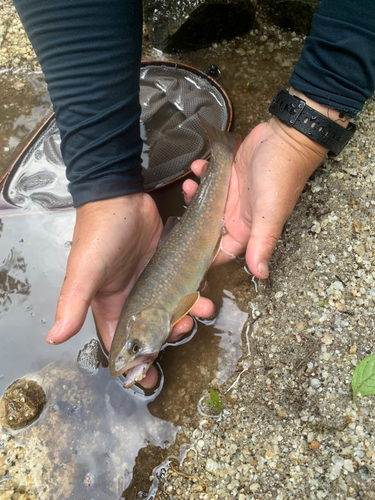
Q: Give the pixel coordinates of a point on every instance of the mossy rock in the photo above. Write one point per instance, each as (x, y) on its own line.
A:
(21, 404)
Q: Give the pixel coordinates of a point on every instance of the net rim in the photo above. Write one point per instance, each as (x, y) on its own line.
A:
(11, 171)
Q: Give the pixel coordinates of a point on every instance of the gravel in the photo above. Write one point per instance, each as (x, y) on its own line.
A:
(16, 51)
(289, 428)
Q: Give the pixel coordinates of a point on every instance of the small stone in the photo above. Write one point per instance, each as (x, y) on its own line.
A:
(315, 383)
(241, 496)
(348, 465)
(354, 203)
(254, 487)
(326, 339)
(314, 445)
(310, 437)
(360, 250)
(278, 295)
(336, 460)
(356, 227)
(300, 327)
(212, 466)
(281, 412)
(335, 472)
(353, 348)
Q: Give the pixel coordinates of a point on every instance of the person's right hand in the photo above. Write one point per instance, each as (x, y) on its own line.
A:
(112, 242)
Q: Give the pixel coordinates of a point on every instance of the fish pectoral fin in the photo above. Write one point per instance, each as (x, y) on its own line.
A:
(184, 306)
(171, 223)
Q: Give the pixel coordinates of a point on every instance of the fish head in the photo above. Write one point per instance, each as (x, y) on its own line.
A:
(145, 333)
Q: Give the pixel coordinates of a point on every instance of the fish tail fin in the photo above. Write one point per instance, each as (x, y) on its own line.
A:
(231, 141)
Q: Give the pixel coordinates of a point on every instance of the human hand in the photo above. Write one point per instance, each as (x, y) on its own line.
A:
(112, 242)
(271, 168)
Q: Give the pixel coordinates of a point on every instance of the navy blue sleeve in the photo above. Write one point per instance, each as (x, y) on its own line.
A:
(90, 54)
(337, 64)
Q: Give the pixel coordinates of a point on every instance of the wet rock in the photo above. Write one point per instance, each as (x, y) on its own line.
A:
(186, 25)
(295, 15)
(90, 357)
(21, 404)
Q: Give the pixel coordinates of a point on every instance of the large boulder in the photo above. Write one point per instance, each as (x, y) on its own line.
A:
(182, 25)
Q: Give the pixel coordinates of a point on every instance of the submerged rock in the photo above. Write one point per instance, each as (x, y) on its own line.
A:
(21, 404)
(182, 25)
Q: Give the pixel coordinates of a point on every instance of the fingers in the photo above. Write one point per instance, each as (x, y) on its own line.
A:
(150, 379)
(198, 167)
(74, 301)
(204, 308)
(189, 187)
(258, 253)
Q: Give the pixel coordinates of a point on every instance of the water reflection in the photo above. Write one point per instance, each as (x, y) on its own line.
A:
(13, 281)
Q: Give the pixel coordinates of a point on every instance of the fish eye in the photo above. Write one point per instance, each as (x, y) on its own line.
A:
(132, 346)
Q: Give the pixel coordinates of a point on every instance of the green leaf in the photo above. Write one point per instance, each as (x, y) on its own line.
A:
(215, 401)
(363, 379)
(322, 304)
(214, 396)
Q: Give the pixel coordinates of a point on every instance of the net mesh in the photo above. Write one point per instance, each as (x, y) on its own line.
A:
(171, 98)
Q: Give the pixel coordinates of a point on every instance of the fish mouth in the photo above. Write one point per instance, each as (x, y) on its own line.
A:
(136, 370)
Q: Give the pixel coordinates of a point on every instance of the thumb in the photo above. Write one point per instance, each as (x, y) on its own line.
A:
(265, 232)
(75, 298)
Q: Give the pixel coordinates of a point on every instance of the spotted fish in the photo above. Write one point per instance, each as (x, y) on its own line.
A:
(167, 288)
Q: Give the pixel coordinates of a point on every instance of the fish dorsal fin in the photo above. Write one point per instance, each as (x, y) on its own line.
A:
(171, 223)
(184, 306)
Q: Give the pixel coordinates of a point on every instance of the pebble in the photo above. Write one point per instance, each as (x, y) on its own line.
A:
(338, 461)
(348, 465)
(315, 383)
(212, 466)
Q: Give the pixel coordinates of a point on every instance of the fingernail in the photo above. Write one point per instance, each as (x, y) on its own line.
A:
(53, 332)
(263, 268)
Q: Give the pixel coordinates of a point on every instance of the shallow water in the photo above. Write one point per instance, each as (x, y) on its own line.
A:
(95, 439)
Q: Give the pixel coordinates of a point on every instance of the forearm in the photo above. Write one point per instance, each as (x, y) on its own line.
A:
(337, 64)
(90, 51)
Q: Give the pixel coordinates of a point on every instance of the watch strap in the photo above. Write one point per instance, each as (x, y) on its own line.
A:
(294, 112)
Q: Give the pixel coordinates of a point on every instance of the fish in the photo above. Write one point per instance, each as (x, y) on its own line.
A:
(167, 288)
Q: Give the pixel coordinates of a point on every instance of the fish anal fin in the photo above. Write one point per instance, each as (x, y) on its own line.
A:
(171, 223)
(184, 306)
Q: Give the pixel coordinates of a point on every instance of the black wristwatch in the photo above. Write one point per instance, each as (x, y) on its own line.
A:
(294, 111)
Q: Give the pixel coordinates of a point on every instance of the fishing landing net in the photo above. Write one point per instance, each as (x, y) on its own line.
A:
(171, 96)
